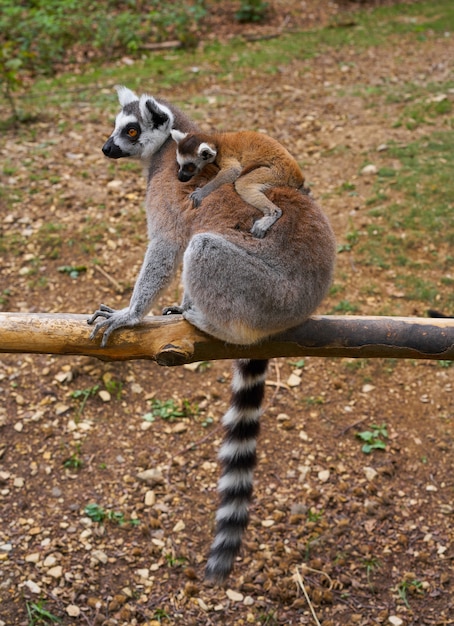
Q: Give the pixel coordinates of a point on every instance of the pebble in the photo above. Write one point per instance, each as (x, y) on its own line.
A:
(395, 621)
(323, 476)
(179, 526)
(151, 476)
(266, 523)
(150, 498)
(105, 395)
(73, 610)
(32, 586)
(369, 169)
(49, 561)
(235, 596)
(294, 380)
(370, 473)
(100, 556)
(56, 572)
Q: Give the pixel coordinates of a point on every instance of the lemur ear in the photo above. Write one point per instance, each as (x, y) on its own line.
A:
(177, 135)
(125, 95)
(153, 113)
(206, 152)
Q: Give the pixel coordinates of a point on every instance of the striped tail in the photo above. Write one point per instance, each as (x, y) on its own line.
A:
(238, 458)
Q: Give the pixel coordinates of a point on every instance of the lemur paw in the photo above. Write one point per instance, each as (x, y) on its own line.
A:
(258, 231)
(172, 310)
(196, 196)
(113, 319)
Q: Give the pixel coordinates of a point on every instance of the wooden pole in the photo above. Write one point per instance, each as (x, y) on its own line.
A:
(173, 341)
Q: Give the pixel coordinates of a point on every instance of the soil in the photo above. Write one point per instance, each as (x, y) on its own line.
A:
(336, 535)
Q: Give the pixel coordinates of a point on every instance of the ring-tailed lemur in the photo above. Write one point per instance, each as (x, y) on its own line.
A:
(238, 288)
(252, 161)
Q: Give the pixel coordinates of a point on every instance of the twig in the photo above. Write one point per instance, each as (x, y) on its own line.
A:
(347, 428)
(116, 284)
(300, 582)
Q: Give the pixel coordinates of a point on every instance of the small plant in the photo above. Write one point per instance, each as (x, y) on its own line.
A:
(345, 306)
(114, 387)
(371, 563)
(83, 395)
(171, 409)
(98, 514)
(175, 561)
(374, 439)
(409, 586)
(251, 11)
(74, 461)
(72, 270)
(39, 616)
(314, 516)
(160, 614)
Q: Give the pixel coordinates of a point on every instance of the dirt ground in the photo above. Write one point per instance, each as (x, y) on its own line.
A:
(368, 537)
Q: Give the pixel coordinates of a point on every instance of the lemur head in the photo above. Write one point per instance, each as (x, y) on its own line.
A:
(141, 127)
(193, 154)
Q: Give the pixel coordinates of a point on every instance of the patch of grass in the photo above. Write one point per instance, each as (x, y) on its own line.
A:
(100, 515)
(38, 615)
(409, 586)
(370, 28)
(171, 409)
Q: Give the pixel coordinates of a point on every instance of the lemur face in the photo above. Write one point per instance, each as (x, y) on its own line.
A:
(141, 127)
(192, 155)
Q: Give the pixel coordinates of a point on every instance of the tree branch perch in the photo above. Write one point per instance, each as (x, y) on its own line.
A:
(173, 341)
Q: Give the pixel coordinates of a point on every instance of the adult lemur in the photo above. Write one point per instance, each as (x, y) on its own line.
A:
(237, 287)
(252, 161)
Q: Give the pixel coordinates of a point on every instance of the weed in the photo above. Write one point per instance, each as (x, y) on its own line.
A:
(39, 616)
(171, 409)
(314, 516)
(445, 364)
(375, 438)
(175, 561)
(409, 586)
(72, 270)
(160, 614)
(344, 306)
(83, 395)
(298, 364)
(371, 563)
(98, 514)
(74, 461)
(4, 297)
(114, 387)
(251, 11)
(268, 619)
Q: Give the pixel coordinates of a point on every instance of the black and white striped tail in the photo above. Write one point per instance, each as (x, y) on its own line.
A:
(238, 457)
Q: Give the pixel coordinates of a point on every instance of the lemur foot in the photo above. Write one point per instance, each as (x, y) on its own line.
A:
(113, 319)
(197, 196)
(172, 310)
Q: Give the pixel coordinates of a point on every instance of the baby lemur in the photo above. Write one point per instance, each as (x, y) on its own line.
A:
(252, 161)
(238, 288)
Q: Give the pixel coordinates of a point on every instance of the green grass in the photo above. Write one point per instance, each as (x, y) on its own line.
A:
(234, 61)
(414, 234)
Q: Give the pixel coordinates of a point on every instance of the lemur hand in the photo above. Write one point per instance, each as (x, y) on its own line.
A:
(114, 319)
(197, 196)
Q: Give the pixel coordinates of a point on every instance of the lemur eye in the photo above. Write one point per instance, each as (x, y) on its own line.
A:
(133, 132)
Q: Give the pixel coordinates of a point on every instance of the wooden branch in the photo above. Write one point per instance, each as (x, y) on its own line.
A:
(173, 341)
